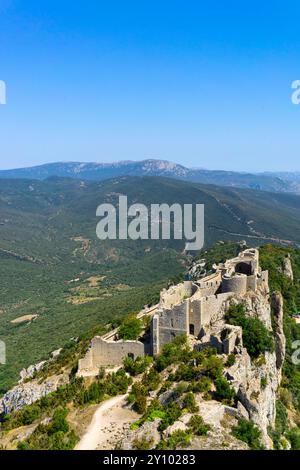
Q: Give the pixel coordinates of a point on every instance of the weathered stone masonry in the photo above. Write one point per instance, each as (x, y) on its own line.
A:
(189, 308)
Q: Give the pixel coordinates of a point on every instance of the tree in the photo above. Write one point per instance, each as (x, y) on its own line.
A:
(213, 366)
(137, 366)
(59, 423)
(130, 328)
(173, 353)
(256, 337)
(30, 414)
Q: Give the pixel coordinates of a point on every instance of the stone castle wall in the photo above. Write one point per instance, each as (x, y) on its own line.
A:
(173, 296)
(167, 324)
(188, 308)
(236, 284)
(109, 353)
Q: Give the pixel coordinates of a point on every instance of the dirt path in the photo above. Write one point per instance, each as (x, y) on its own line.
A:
(108, 425)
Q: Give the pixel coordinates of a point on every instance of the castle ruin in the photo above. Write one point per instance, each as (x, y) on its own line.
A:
(194, 308)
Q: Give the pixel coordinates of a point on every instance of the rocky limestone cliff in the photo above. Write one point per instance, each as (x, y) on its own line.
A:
(287, 268)
(219, 417)
(256, 382)
(280, 341)
(30, 392)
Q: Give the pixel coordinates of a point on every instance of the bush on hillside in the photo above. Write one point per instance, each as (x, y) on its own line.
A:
(130, 329)
(137, 366)
(224, 392)
(198, 426)
(189, 403)
(246, 431)
(172, 353)
(256, 337)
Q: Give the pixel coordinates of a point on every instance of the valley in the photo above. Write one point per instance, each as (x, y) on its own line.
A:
(49, 254)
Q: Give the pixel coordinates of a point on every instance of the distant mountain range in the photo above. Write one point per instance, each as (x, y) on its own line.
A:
(274, 182)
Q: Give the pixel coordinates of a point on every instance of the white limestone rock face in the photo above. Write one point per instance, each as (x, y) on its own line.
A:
(287, 268)
(28, 373)
(148, 431)
(257, 392)
(280, 341)
(30, 392)
(256, 382)
(217, 439)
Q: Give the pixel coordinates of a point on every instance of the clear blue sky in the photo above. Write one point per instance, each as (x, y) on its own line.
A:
(202, 83)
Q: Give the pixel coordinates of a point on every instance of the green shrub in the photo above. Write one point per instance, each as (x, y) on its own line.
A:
(224, 391)
(30, 414)
(55, 436)
(131, 328)
(256, 337)
(263, 382)
(140, 404)
(151, 380)
(213, 366)
(294, 437)
(172, 353)
(230, 360)
(137, 366)
(95, 393)
(173, 413)
(203, 385)
(189, 403)
(59, 423)
(101, 373)
(156, 414)
(178, 439)
(246, 431)
(165, 386)
(138, 397)
(186, 372)
(117, 383)
(154, 408)
(197, 426)
(179, 390)
(281, 424)
(143, 443)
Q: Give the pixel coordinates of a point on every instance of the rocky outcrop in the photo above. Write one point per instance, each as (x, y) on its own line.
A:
(219, 417)
(256, 382)
(287, 268)
(280, 341)
(28, 373)
(217, 439)
(256, 386)
(30, 392)
(147, 432)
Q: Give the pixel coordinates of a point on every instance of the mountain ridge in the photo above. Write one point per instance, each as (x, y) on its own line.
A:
(100, 171)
